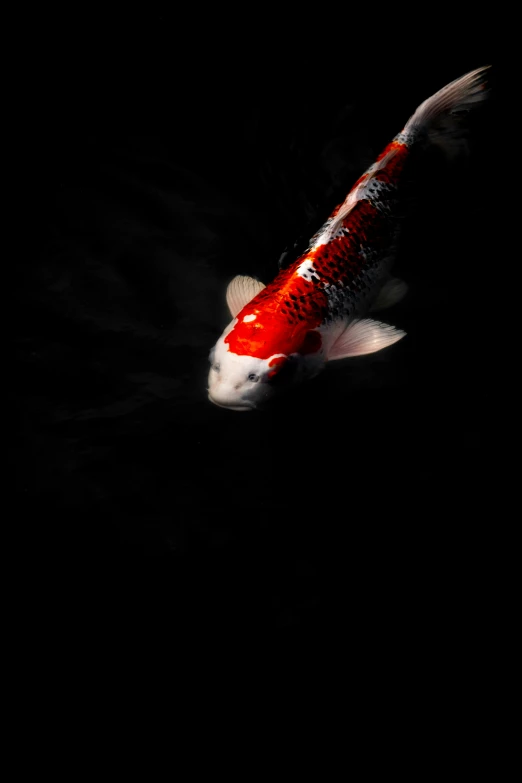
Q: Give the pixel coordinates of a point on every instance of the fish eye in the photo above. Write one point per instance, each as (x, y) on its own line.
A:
(216, 367)
(253, 377)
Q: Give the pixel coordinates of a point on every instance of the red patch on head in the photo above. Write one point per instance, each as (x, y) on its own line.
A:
(277, 362)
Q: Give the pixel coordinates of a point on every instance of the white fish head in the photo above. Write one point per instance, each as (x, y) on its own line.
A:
(240, 383)
(243, 383)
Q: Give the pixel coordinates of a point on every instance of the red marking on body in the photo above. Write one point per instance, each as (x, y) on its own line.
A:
(286, 310)
(289, 310)
(388, 173)
(393, 145)
(394, 166)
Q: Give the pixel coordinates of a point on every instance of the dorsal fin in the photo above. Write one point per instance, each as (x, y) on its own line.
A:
(240, 291)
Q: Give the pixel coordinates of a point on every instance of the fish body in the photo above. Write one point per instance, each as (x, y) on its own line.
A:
(316, 310)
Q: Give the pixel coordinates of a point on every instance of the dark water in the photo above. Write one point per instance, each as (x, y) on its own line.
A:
(370, 494)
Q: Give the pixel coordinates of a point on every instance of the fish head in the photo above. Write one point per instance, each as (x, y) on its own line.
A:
(241, 383)
(244, 382)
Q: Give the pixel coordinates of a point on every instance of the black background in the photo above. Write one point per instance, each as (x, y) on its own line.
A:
(161, 156)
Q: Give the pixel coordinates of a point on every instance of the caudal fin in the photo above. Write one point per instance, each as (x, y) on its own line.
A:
(439, 117)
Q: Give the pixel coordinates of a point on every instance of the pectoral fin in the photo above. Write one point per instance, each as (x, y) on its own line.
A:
(362, 337)
(240, 291)
(390, 294)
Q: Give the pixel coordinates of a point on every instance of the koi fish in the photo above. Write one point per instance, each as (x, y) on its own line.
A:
(316, 310)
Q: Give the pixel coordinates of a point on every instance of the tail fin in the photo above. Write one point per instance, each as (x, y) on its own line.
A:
(438, 116)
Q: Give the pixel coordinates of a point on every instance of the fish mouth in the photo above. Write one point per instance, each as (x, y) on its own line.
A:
(247, 406)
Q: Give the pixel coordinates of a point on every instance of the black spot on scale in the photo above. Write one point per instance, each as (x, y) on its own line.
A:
(293, 296)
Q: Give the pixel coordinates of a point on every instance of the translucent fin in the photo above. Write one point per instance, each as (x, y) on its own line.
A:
(440, 115)
(240, 291)
(390, 294)
(457, 96)
(362, 337)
